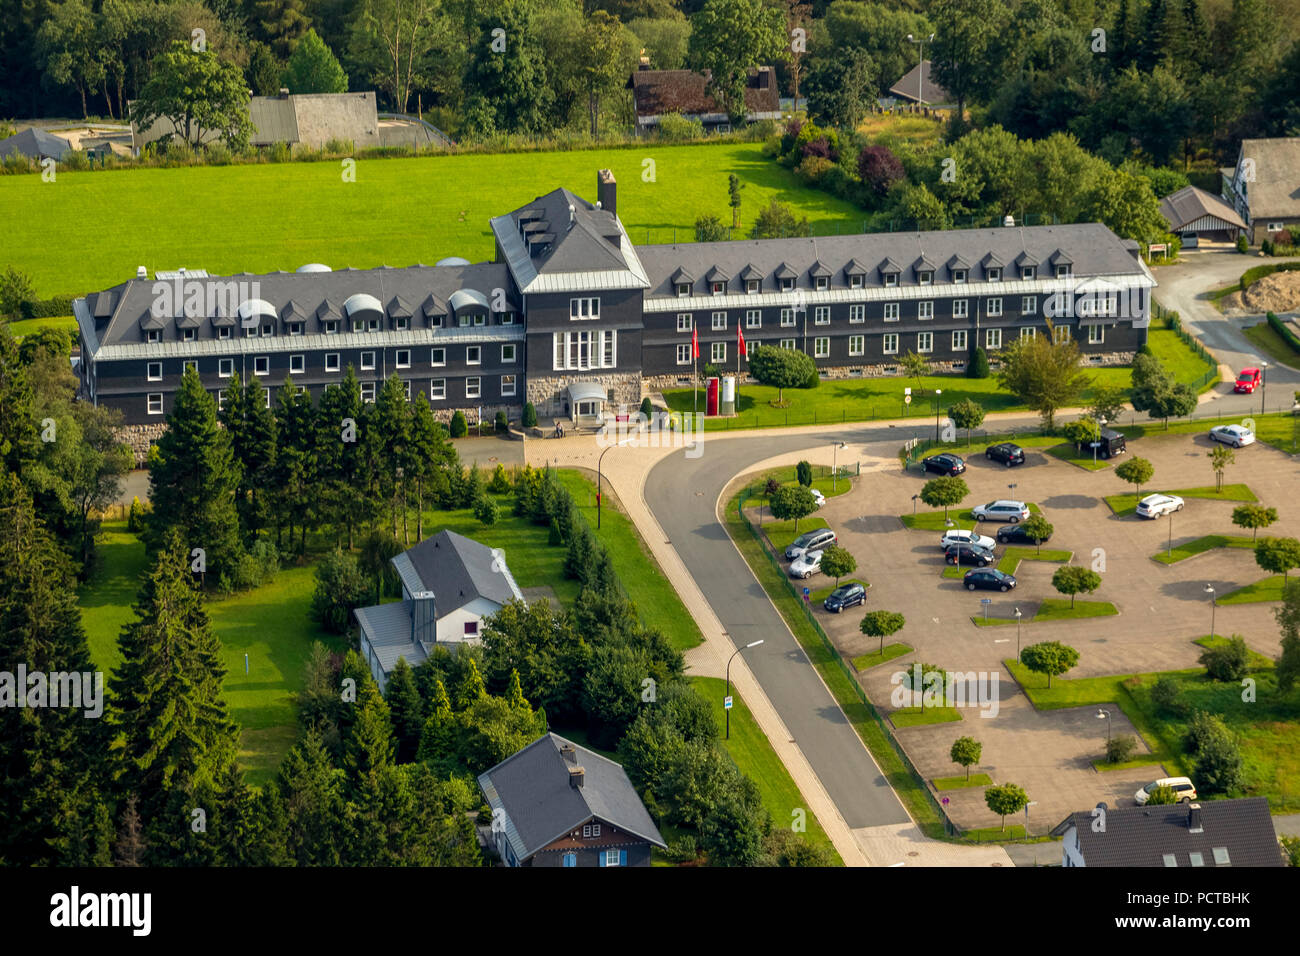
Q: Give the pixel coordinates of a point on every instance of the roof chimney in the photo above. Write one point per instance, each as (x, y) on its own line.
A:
(1194, 824)
(141, 272)
(284, 92)
(576, 775)
(607, 191)
(568, 753)
(644, 62)
(1010, 220)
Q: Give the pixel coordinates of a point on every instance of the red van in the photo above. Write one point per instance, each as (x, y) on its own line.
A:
(1246, 381)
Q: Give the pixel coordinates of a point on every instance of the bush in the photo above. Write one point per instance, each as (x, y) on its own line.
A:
(501, 423)
(813, 169)
(710, 229)
(803, 472)
(340, 588)
(500, 483)
(135, 517)
(1167, 695)
(1227, 662)
(15, 289)
(1120, 748)
(647, 409)
(1173, 321)
(529, 419)
(979, 364)
(459, 427)
(682, 849)
(1242, 245)
(676, 128)
(256, 566)
(485, 510)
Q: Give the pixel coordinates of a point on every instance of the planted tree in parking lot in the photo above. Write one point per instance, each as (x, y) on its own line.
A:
(1082, 431)
(967, 414)
(1137, 472)
(919, 677)
(792, 504)
(1051, 658)
(1254, 517)
(945, 492)
(1220, 458)
(780, 368)
(1004, 799)
(881, 624)
(1278, 556)
(1156, 393)
(966, 751)
(837, 562)
(1039, 529)
(803, 473)
(1073, 579)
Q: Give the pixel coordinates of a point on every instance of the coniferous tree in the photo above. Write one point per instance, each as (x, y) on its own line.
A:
(341, 457)
(251, 425)
(295, 465)
(406, 709)
(310, 788)
(392, 432)
(19, 438)
(435, 738)
(430, 461)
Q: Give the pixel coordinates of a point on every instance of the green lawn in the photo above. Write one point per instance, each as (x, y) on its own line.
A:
(961, 783)
(1279, 429)
(1268, 589)
(782, 533)
(962, 519)
(1255, 658)
(292, 213)
(23, 327)
(1086, 460)
(875, 658)
(823, 481)
(1264, 337)
(1058, 609)
(106, 599)
(754, 756)
(1200, 545)
(1180, 360)
(1101, 766)
(917, 716)
(1126, 504)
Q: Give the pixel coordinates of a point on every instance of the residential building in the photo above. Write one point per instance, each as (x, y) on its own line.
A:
(309, 119)
(35, 143)
(1264, 186)
(1212, 833)
(450, 584)
(555, 803)
(917, 86)
(1198, 217)
(657, 93)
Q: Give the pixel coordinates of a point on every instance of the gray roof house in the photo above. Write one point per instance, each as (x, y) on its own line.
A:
(450, 583)
(35, 144)
(555, 803)
(916, 86)
(312, 119)
(1264, 186)
(1196, 215)
(1212, 833)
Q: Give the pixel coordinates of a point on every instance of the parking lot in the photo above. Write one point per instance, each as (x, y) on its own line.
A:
(1162, 609)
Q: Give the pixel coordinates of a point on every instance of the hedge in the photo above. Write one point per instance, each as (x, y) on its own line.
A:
(1284, 330)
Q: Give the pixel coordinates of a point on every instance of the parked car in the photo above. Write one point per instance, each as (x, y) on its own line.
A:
(845, 596)
(1001, 510)
(969, 554)
(1008, 453)
(944, 464)
(1248, 380)
(1016, 534)
(806, 565)
(965, 537)
(1153, 506)
(1182, 787)
(818, 497)
(810, 541)
(1234, 435)
(988, 579)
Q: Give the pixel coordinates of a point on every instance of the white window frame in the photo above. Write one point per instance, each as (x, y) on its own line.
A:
(857, 345)
(1276, 226)
(684, 353)
(437, 389)
(717, 352)
(297, 364)
(584, 308)
(400, 323)
(993, 307)
(223, 332)
(891, 279)
(821, 315)
(718, 321)
(332, 362)
(959, 276)
(790, 344)
(398, 362)
(187, 364)
(1063, 272)
(225, 368)
(332, 327)
(508, 353)
(821, 283)
(995, 274)
(754, 319)
(959, 340)
(891, 312)
(787, 285)
(787, 318)
(1028, 332)
(367, 363)
(822, 346)
(187, 335)
(611, 856)
(992, 338)
(717, 288)
(153, 372)
(474, 386)
(683, 289)
(685, 321)
(753, 285)
(925, 309)
(151, 399)
(507, 318)
(264, 361)
(855, 281)
(1028, 273)
(1096, 334)
(473, 355)
(925, 278)
(857, 313)
(153, 336)
(889, 343)
(368, 392)
(508, 385)
(924, 342)
(437, 357)
(1060, 334)
(268, 330)
(960, 308)
(1029, 305)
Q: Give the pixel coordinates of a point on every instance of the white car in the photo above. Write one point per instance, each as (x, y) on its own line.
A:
(1153, 506)
(806, 565)
(951, 538)
(1183, 788)
(1234, 435)
(818, 497)
(1002, 510)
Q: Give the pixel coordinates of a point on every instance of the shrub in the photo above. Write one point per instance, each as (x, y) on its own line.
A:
(1266, 247)
(340, 588)
(500, 483)
(135, 517)
(1167, 695)
(1242, 245)
(529, 419)
(501, 423)
(15, 289)
(647, 409)
(459, 427)
(1120, 748)
(803, 472)
(256, 566)
(1173, 321)
(979, 364)
(880, 169)
(676, 128)
(1228, 662)
(813, 168)
(710, 229)
(485, 510)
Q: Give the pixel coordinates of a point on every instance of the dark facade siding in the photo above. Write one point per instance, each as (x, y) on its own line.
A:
(620, 310)
(638, 854)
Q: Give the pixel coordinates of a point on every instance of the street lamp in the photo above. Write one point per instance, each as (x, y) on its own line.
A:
(1214, 603)
(1263, 386)
(737, 651)
(835, 462)
(1017, 634)
(599, 462)
(937, 393)
(1171, 532)
(920, 60)
(1101, 423)
(1103, 713)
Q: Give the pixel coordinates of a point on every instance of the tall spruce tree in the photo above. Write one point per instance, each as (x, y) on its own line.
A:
(341, 458)
(392, 432)
(251, 425)
(406, 710)
(295, 468)
(19, 438)
(310, 788)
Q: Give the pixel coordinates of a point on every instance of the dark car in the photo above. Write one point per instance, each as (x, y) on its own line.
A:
(990, 579)
(1111, 443)
(1016, 534)
(969, 554)
(846, 595)
(1008, 453)
(944, 464)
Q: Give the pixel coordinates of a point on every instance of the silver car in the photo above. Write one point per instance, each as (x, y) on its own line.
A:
(1153, 506)
(1002, 510)
(806, 565)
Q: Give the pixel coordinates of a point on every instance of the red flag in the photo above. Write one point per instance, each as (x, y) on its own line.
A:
(740, 340)
(695, 343)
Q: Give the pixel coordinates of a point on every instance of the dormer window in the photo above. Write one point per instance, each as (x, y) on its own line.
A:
(787, 285)
(223, 332)
(959, 276)
(855, 282)
(822, 283)
(891, 278)
(374, 325)
(717, 288)
(268, 330)
(187, 335)
(994, 274)
(295, 328)
(358, 325)
(925, 278)
(331, 327)
(1062, 272)
(683, 288)
(1027, 272)
(400, 323)
(752, 286)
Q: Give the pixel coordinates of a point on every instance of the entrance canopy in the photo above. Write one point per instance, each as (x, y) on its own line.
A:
(585, 392)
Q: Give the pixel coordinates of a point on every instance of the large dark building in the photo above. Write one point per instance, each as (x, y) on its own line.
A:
(574, 318)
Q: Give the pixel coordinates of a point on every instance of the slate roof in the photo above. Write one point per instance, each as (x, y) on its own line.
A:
(458, 570)
(35, 144)
(1189, 204)
(540, 804)
(1275, 192)
(388, 628)
(1142, 836)
(931, 92)
(660, 92)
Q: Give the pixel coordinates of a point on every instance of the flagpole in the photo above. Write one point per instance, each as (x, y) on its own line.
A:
(695, 373)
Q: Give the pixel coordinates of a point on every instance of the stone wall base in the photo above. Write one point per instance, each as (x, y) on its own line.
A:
(140, 438)
(549, 393)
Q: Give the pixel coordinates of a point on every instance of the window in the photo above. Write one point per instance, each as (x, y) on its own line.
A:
(261, 365)
(857, 344)
(437, 389)
(480, 319)
(857, 313)
(1060, 334)
(855, 282)
(225, 368)
(367, 361)
(993, 339)
(717, 288)
(1029, 305)
(1096, 335)
(959, 308)
(959, 340)
(1027, 272)
(822, 315)
(787, 317)
(891, 278)
(925, 310)
(332, 327)
(403, 358)
(268, 330)
(959, 276)
(787, 285)
(821, 283)
(223, 332)
(587, 308)
(750, 345)
(189, 364)
(719, 321)
(507, 353)
(1170, 859)
(591, 830)
(925, 278)
(154, 372)
(154, 403)
(571, 859)
(297, 364)
(754, 319)
(463, 320)
(367, 391)
(925, 341)
(331, 361)
(718, 351)
(821, 347)
(752, 285)
(1027, 333)
(683, 288)
(1062, 272)
(399, 324)
(612, 857)
(1197, 859)
(788, 344)
(607, 350)
(406, 390)
(473, 386)
(1221, 856)
(473, 355)
(1276, 226)
(683, 355)
(891, 311)
(295, 328)
(221, 401)
(266, 397)
(438, 357)
(187, 335)
(507, 385)
(684, 323)
(891, 343)
(995, 274)
(152, 336)
(584, 350)
(994, 307)
(507, 318)
(358, 325)
(373, 325)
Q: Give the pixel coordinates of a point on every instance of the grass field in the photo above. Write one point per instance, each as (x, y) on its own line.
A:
(1011, 559)
(754, 756)
(961, 783)
(1126, 504)
(782, 533)
(1264, 337)
(1267, 589)
(1053, 609)
(918, 716)
(23, 327)
(875, 658)
(259, 218)
(962, 519)
(1197, 546)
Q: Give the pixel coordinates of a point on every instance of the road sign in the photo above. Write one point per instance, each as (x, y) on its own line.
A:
(806, 593)
(907, 399)
(726, 703)
(907, 390)
(986, 600)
